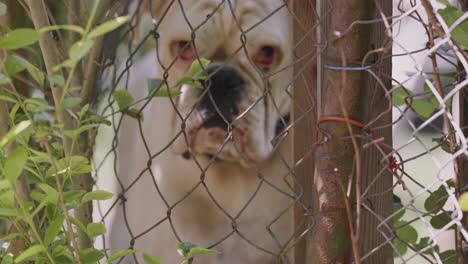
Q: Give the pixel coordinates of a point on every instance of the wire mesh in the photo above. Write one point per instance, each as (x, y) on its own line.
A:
(209, 160)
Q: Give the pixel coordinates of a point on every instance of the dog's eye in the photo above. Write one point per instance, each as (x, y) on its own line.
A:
(266, 57)
(184, 49)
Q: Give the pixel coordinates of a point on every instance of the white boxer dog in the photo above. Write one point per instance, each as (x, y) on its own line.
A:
(210, 166)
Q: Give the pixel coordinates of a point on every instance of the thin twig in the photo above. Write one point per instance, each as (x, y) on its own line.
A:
(70, 232)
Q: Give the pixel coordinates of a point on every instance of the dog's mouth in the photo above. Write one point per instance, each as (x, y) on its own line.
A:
(221, 139)
(218, 139)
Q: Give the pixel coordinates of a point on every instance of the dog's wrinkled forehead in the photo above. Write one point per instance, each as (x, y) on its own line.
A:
(215, 22)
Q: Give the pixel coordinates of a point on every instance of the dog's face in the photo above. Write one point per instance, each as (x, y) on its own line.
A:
(243, 103)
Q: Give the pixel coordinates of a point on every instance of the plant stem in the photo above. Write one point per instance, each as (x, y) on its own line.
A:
(48, 48)
(62, 203)
(51, 59)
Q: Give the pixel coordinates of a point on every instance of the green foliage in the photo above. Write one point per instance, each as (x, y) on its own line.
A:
(460, 33)
(108, 27)
(437, 199)
(33, 148)
(30, 253)
(189, 250)
(123, 98)
(438, 219)
(120, 254)
(198, 66)
(19, 38)
(157, 88)
(150, 259)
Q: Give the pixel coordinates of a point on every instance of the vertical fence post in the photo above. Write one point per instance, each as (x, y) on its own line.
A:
(379, 197)
(304, 110)
(350, 95)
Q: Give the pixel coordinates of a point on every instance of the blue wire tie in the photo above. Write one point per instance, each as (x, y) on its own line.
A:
(339, 68)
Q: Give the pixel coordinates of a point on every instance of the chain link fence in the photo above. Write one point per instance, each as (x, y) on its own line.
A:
(233, 106)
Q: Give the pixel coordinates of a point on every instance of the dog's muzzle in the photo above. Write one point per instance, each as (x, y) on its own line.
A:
(214, 128)
(221, 94)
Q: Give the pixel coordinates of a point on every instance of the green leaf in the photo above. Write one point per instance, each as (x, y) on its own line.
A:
(441, 220)
(78, 131)
(57, 79)
(436, 200)
(14, 132)
(444, 144)
(400, 214)
(98, 195)
(445, 2)
(198, 251)
(29, 253)
(77, 223)
(36, 74)
(7, 97)
(3, 9)
(65, 64)
(183, 248)
(157, 88)
(74, 28)
(7, 199)
(71, 165)
(460, 33)
(91, 255)
(123, 98)
(15, 64)
(79, 49)
(15, 163)
(7, 259)
(9, 212)
(95, 229)
(54, 229)
(189, 80)
(449, 257)
(150, 259)
(108, 26)
(406, 232)
(424, 107)
(463, 201)
(423, 243)
(38, 105)
(70, 102)
(19, 38)
(400, 247)
(4, 79)
(71, 196)
(198, 65)
(189, 250)
(398, 96)
(52, 194)
(120, 254)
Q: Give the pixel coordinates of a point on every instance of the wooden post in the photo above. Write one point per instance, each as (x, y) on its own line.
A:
(378, 198)
(304, 109)
(350, 95)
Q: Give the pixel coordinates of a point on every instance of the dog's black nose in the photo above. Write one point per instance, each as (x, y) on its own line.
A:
(224, 87)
